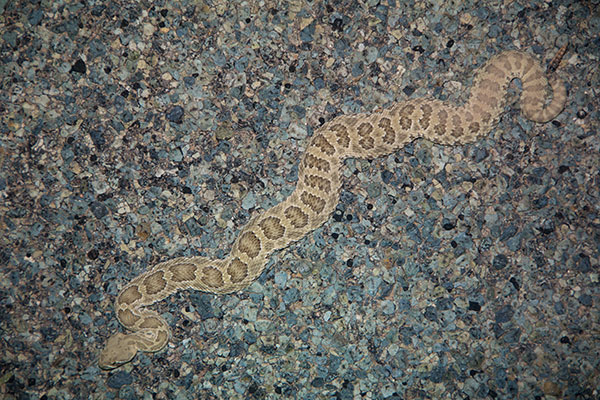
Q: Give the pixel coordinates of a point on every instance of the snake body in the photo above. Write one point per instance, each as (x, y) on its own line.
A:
(317, 191)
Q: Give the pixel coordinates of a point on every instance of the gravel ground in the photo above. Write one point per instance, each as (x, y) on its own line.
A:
(132, 132)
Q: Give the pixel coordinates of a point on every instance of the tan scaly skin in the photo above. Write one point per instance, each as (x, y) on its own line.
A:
(318, 187)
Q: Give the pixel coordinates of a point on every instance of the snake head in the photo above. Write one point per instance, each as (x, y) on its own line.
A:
(118, 350)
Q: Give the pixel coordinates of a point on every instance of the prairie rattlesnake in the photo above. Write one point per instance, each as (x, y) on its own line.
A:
(317, 191)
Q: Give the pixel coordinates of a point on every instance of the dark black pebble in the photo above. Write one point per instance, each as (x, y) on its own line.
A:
(474, 306)
(447, 224)
(337, 24)
(79, 67)
(408, 90)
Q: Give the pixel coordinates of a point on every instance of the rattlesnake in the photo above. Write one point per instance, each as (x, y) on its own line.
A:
(318, 187)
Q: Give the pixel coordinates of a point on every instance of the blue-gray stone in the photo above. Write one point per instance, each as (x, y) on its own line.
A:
(505, 314)
(387, 307)
(500, 261)
(175, 114)
(306, 34)
(35, 17)
(249, 201)
(586, 300)
(176, 155)
(250, 337)
(431, 313)
(97, 136)
(67, 154)
(508, 233)
(97, 48)
(437, 373)
(10, 38)
(290, 296)
(281, 278)
(193, 226)
(403, 304)
(582, 262)
(118, 379)
(98, 209)
(36, 229)
(202, 304)
(372, 285)
(512, 335)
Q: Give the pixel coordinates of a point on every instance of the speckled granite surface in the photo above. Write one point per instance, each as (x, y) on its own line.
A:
(132, 132)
